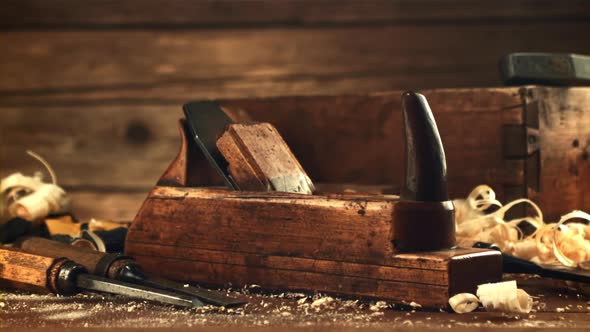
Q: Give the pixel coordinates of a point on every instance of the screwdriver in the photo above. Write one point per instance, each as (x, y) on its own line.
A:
(119, 267)
(65, 277)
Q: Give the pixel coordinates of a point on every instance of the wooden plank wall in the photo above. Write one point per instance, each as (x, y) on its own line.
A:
(77, 78)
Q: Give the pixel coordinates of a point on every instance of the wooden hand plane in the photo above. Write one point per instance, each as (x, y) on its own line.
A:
(398, 248)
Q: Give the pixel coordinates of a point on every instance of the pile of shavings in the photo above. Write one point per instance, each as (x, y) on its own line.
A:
(503, 297)
(565, 242)
(29, 198)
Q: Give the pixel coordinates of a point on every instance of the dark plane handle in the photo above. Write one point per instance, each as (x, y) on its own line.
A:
(424, 217)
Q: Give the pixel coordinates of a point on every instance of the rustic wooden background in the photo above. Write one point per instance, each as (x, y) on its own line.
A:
(96, 86)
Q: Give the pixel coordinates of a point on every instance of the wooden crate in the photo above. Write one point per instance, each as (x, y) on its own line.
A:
(523, 141)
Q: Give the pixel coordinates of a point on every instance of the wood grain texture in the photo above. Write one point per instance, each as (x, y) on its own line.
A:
(225, 216)
(89, 258)
(329, 129)
(25, 268)
(260, 160)
(69, 61)
(427, 295)
(123, 205)
(144, 138)
(564, 122)
(336, 244)
(433, 274)
(470, 122)
(64, 13)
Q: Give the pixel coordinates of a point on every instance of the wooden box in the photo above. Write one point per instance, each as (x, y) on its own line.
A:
(522, 141)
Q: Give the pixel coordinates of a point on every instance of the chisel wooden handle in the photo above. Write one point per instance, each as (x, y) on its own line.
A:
(65, 277)
(38, 270)
(98, 263)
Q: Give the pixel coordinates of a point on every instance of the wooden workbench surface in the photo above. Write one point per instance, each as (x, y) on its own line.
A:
(555, 306)
(96, 88)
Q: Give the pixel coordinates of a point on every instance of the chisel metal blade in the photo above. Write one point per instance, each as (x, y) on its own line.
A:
(91, 282)
(207, 296)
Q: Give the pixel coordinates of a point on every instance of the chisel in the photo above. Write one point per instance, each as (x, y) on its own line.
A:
(65, 277)
(119, 267)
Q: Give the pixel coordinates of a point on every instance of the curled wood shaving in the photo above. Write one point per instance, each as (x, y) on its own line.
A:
(504, 297)
(29, 197)
(550, 243)
(46, 164)
(464, 303)
(500, 297)
(571, 246)
(48, 199)
(19, 180)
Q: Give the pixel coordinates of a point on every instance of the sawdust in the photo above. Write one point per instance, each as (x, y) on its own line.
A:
(72, 315)
(290, 309)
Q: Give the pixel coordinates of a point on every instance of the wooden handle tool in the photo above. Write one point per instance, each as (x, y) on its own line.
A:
(65, 277)
(119, 267)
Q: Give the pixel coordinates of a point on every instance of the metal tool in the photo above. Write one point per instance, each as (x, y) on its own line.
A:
(65, 277)
(119, 267)
(207, 122)
(545, 68)
(511, 264)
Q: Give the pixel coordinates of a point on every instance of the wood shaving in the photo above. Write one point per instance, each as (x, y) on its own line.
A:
(322, 301)
(504, 297)
(29, 197)
(415, 305)
(48, 199)
(464, 303)
(68, 315)
(379, 305)
(302, 300)
(550, 243)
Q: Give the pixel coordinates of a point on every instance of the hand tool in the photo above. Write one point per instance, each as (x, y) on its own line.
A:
(545, 68)
(119, 267)
(381, 246)
(512, 264)
(65, 277)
